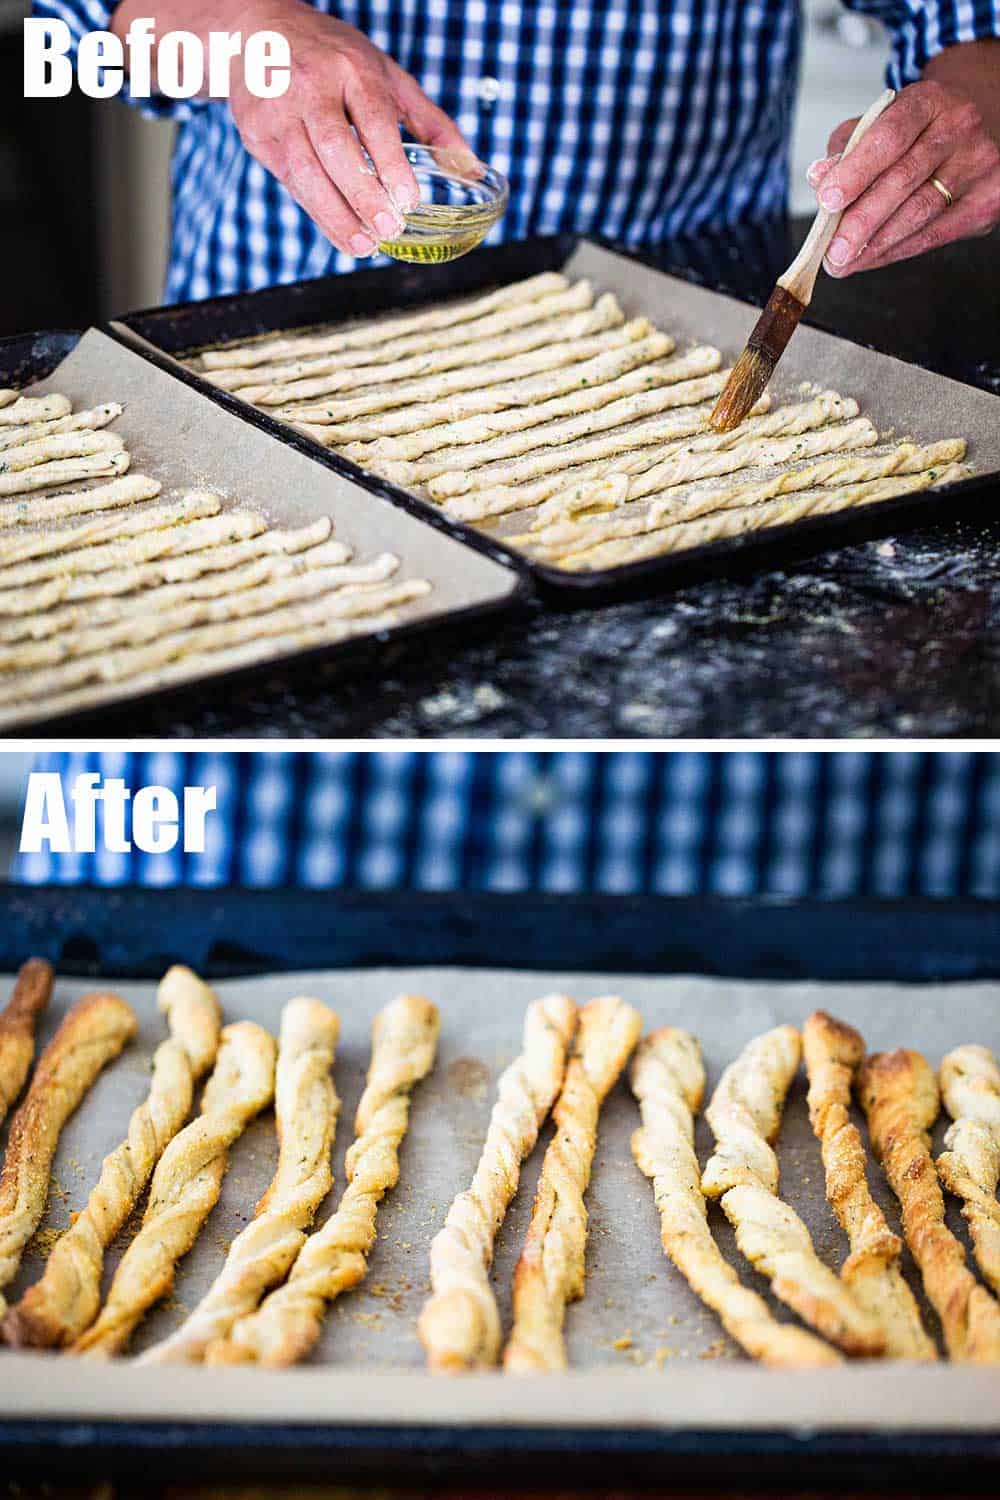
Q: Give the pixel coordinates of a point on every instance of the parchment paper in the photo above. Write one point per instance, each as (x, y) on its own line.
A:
(184, 440)
(638, 1322)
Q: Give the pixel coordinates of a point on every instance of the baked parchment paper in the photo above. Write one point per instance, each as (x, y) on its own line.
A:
(186, 441)
(642, 1347)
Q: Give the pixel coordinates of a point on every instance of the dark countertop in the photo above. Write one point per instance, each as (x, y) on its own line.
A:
(882, 638)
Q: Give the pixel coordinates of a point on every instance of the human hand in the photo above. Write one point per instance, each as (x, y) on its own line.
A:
(893, 210)
(339, 79)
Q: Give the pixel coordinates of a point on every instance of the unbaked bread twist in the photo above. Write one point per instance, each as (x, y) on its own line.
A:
(899, 1094)
(31, 994)
(668, 1080)
(58, 1308)
(550, 1272)
(833, 1052)
(289, 1321)
(89, 1036)
(460, 1323)
(306, 1108)
(970, 1165)
(186, 1185)
(745, 1114)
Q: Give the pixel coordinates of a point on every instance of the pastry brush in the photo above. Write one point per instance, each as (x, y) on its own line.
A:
(751, 373)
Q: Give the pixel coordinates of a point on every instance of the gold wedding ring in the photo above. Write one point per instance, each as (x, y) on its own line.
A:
(948, 197)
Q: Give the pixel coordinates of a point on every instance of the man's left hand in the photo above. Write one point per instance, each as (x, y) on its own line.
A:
(892, 208)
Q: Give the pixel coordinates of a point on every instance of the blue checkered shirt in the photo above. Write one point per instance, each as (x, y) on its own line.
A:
(633, 119)
(685, 823)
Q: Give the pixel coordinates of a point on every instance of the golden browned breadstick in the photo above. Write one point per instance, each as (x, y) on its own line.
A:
(289, 1321)
(186, 1185)
(970, 1166)
(65, 1301)
(30, 996)
(460, 1323)
(668, 1080)
(744, 1114)
(306, 1108)
(900, 1098)
(92, 1033)
(833, 1052)
(550, 1272)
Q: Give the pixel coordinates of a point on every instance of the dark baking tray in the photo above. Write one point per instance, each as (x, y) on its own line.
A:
(34, 356)
(130, 933)
(183, 328)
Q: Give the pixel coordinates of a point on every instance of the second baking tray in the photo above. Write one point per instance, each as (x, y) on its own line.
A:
(903, 397)
(178, 437)
(369, 1409)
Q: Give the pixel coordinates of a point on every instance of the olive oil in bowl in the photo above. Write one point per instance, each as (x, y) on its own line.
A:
(456, 212)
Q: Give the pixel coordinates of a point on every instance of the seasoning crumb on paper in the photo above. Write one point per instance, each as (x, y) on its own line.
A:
(625, 1342)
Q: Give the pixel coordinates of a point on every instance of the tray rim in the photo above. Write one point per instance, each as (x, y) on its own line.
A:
(708, 560)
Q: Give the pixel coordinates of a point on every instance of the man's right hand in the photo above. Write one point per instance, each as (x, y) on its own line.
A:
(305, 138)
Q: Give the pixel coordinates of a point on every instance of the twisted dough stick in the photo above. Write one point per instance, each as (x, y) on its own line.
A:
(834, 1051)
(970, 1167)
(668, 1080)
(65, 1301)
(460, 1324)
(550, 1272)
(306, 1108)
(899, 1095)
(335, 1258)
(744, 1114)
(32, 990)
(90, 1035)
(186, 1185)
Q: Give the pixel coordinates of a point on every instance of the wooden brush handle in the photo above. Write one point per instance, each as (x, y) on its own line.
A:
(800, 278)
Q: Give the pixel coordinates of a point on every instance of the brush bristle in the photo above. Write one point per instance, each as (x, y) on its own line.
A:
(747, 382)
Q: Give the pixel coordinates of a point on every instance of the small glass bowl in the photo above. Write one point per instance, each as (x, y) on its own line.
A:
(458, 206)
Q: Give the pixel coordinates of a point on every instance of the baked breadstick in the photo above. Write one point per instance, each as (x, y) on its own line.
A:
(833, 1053)
(551, 1271)
(460, 1323)
(186, 1185)
(65, 1301)
(577, 297)
(89, 1036)
(128, 576)
(78, 421)
(899, 1095)
(467, 391)
(970, 1165)
(31, 994)
(742, 1174)
(114, 495)
(103, 529)
(7, 395)
(34, 409)
(456, 356)
(335, 1258)
(306, 1108)
(384, 330)
(668, 1080)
